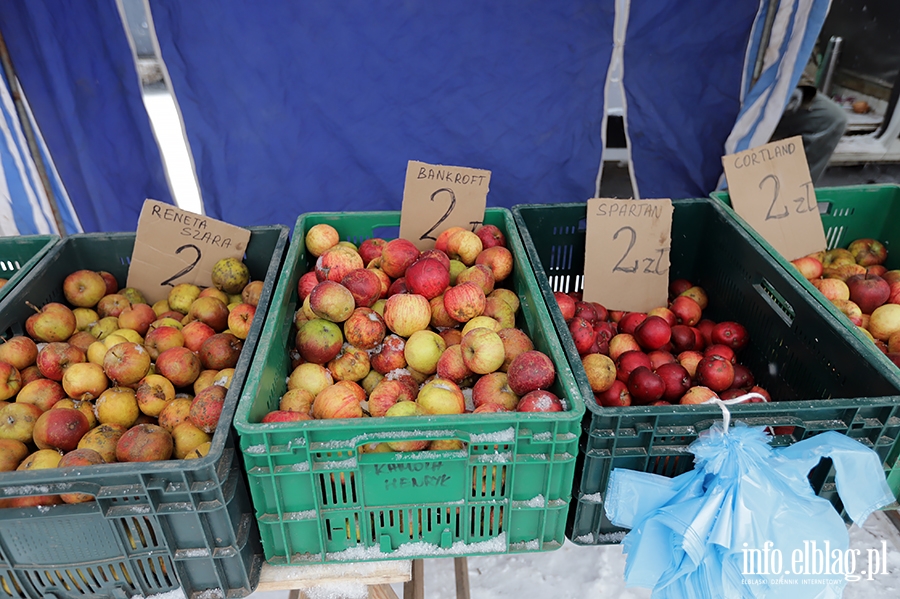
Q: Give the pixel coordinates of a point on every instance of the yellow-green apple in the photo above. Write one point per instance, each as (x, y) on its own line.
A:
(600, 370)
(129, 335)
(406, 409)
(385, 394)
(204, 380)
(444, 236)
(850, 309)
(296, 400)
(166, 321)
(53, 322)
(213, 292)
(102, 439)
(39, 460)
(494, 388)
(515, 342)
(810, 268)
(10, 381)
(480, 274)
(311, 377)
(491, 236)
(441, 396)
(837, 256)
(389, 355)
(206, 408)
(843, 271)
(404, 314)
(885, 321)
(320, 237)
(482, 350)
(126, 363)
(507, 296)
(12, 452)
(84, 288)
(54, 358)
(370, 380)
(698, 394)
(306, 283)
(95, 353)
(200, 451)
(867, 252)
(336, 262)
(364, 285)
(252, 292)
(529, 371)
(82, 340)
(161, 307)
(337, 401)
(104, 327)
(621, 343)
(427, 277)
(19, 351)
(84, 317)
(832, 289)
(451, 366)
(41, 392)
(456, 267)
(463, 245)
(163, 338)
(79, 457)
(187, 437)
(133, 295)
(230, 275)
(498, 259)
(481, 321)
(331, 301)
(145, 443)
(240, 320)
(498, 309)
(868, 291)
(319, 340)
(60, 429)
(176, 411)
(117, 405)
(351, 364)
(222, 350)
(112, 305)
(364, 329)
(154, 392)
(698, 294)
(181, 297)
(210, 311)
(423, 350)
(17, 421)
(180, 365)
(464, 301)
(539, 400)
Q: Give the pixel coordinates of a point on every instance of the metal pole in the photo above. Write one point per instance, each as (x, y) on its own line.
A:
(16, 94)
(764, 40)
(832, 63)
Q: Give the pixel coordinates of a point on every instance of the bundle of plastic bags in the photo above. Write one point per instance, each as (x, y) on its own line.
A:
(746, 522)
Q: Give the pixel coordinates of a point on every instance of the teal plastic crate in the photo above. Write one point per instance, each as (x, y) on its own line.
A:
(19, 254)
(818, 373)
(154, 526)
(318, 500)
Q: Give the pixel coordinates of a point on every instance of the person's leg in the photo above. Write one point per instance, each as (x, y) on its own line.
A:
(821, 124)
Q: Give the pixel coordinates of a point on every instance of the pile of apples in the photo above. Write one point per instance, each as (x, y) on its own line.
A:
(107, 378)
(385, 330)
(669, 355)
(856, 281)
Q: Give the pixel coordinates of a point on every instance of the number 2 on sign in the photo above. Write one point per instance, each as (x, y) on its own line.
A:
(803, 204)
(426, 234)
(187, 268)
(651, 265)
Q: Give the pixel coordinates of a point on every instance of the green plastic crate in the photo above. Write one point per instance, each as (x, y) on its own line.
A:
(318, 500)
(850, 213)
(819, 374)
(155, 526)
(19, 254)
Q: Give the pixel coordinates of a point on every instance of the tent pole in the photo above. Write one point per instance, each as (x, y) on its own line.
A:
(16, 94)
(764, 40)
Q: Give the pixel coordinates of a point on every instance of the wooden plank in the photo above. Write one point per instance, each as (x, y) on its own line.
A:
(277, 578)
(382, 591)
(415, 588)
(461, 568)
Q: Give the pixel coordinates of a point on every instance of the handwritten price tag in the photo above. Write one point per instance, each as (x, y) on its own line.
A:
(627, 253)
(173, 246)
(771, 189)
(437, 197)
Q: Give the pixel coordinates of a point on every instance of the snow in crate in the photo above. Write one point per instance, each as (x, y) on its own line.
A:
(536, 501)
(300, 467)
(256, 449)
(587, 539)
(496, 544)
(337, 590)
(185, 553)
(27, 490)
(176, 594)
(593, 498)
(402, 456)
(467, 398)
(533, 545)
(497, 437)
(545, 436)
(304, 515)
(500, 457)
(612, 537)
(337, 465)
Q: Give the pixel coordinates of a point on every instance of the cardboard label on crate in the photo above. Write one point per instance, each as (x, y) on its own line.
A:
(626, 261)
(173, 246)
(437, 197)
(771, 189)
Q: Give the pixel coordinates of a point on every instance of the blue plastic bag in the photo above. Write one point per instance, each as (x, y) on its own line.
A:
(745, 522)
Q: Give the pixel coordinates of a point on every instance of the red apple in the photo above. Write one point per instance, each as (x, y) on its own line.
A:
(867, 251)
(398, 287)
(54, 358)
(868, 291)
(616, 396)
(676, 379)
(206, 408)
(729, 333)
(464, 302)
(43, 393)
(499, 259)
(364, 285)
(743, 378)
(407, 313)
(491, 236)
(645, 386)
(389, 355)
(698, 294)
(331, 301)
(320, 237)
(809, 267)
(371, 248)
(705, 327)
(583, 334)
(630, 322)
(145, 443)
(539, 400)
(306, 283)
(683, 338)
(629, 361)
(494, 388)
(364, 329)
(180, 365)
(652, 333)
(427, 277)
(137, 317)
(444, 236)
(436, 255)
(337, 401)
(715, 372)
(335, 262)
(112, 285)
(112, 305)
(285, 416)
(515, 342)
(451, 366)
(529, 371)
(240, 320)
(894, 298)
(318, 340)
(621, 343)
(222, 350)
(723, 351)
(679, 286)
(587, 311)
(60, 428)
(396, 256)
(659, 357)
(686, 310)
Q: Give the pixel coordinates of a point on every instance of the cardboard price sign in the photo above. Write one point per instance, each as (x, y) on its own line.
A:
(627, 249)
(437, 197)
(173, 246)
(771, 189)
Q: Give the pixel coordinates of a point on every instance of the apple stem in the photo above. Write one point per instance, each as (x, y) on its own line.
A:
(32, 306)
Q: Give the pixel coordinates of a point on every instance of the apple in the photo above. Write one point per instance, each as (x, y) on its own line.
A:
(653, 332)
(443, 237)
(181, 297)
(306, 283)
(600, 370)
(483, 351)
(464, 301)
(587, 311)
(19, 351)
(252, 292)
(678, 286)
(494, 388)
(337, 401)
(137, 317)
(809, 267)
(84, 317)
(112, 305)
(499, 259)
(507, 296)
(320, 237)
(894, 298)
(213, 292)
(397, 255)
(187, 437)
(102, 439)
(153, 394)
(60, 429)
(10, 381)
(729, 333)
(84, 288)
(210, 311)
(206, 409)
(180, 365)
(39, 460)
(566, 305)
(133, 295)
(715, 372)
(868, 291)
(364, 328)
(463, 245)
(427, 277)
(385, 283)
(31, 373)
(284, 416)
(698, 294)
(621, 343)
(867, 252)
(451, 365)
(698, 394)
(630, 321)
(364, 285)
(440, 318)
(683, 338)
(319, 340)
(659, 357)
(723, 351)
(12, 453)
(450, 337)
(79, 457)
(530, 371)
(676, 379)
(488, 408)
(54, 358)
(832, 289)
(351, 364)
(407, 313)
(850, 310)
(117, 405)
(843, 272)
(17, 421)
(112, 285)
(54, 322)
(385, 394)
(436, 255)
(390, 355)
(456, 267)
(84, 381)
(331, 301)
(885, 321)
(205, 379)
(230, 275)
(686, 310)
(163, 338)
(371, 248)
(126, 363)
(743, 378)
(478, 274)
(370, 380)
(491, 236)
(145, 443)
(645, 386)
(41, 392)
(398, 287)
(441, 396)
(689, 360)
(423, 350)
(222, 350)
(82, 340)
(539, 400)
(582, 333)
(240, 320)
(630, 360)
(194, 334)
(515, 342)
(837, 257)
